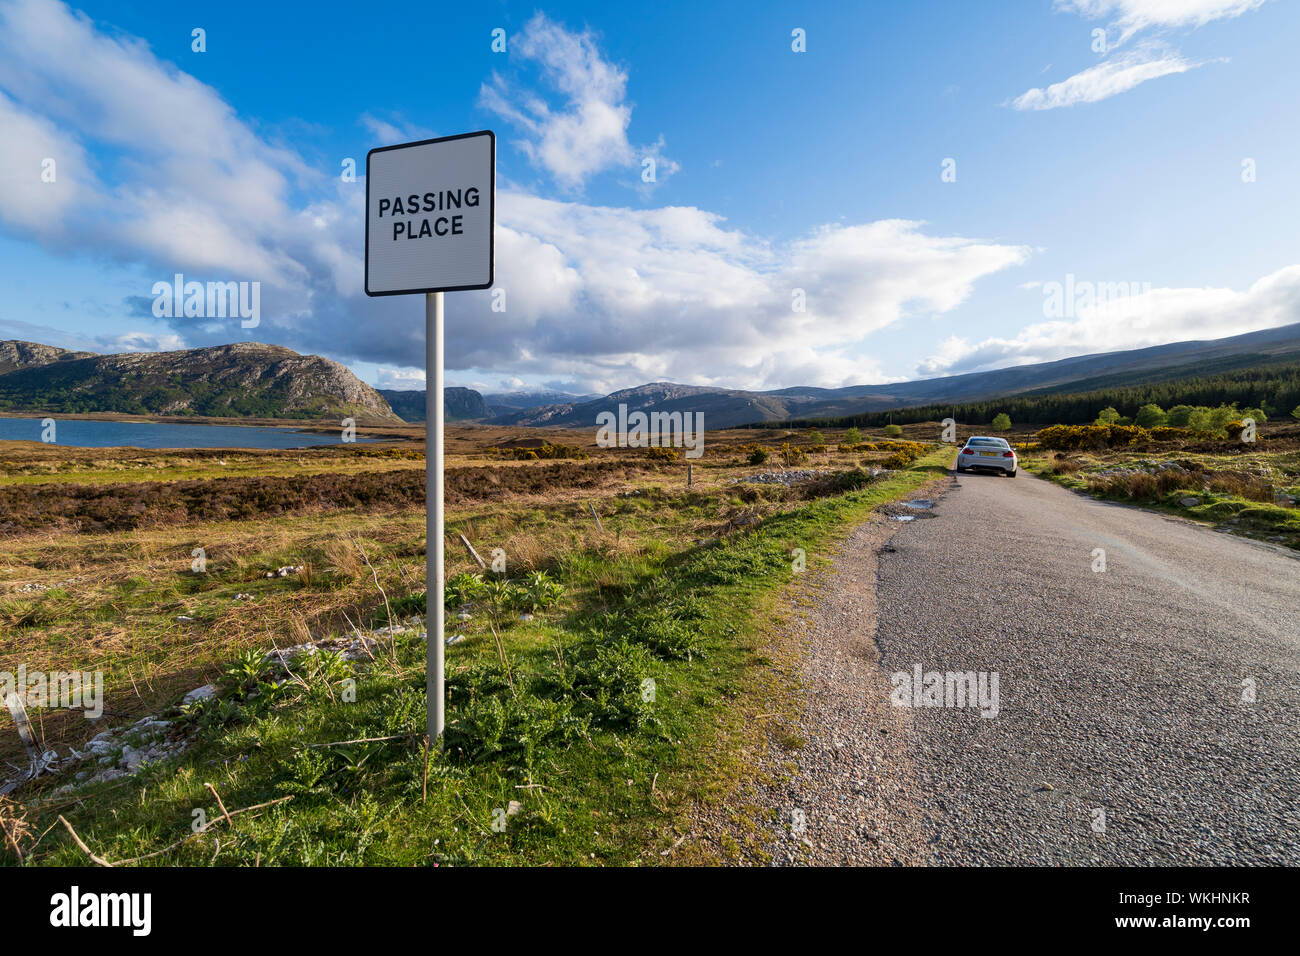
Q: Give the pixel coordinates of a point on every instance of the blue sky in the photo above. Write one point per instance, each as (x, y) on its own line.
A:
(1156, 165)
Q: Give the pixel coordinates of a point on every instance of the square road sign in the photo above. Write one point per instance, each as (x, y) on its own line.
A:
(430, 211)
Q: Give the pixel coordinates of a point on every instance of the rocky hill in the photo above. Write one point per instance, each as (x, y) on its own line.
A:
(15, 355)
(241, 380)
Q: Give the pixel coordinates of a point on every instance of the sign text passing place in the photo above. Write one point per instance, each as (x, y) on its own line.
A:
(430, 208)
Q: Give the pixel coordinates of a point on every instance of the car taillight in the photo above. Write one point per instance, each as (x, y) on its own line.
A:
(967, 451)
(1008, 454)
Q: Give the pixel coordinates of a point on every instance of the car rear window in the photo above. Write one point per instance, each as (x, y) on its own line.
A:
(987, 443)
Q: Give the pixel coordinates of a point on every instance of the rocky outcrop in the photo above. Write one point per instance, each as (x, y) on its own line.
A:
(15, 355)
(241, 380)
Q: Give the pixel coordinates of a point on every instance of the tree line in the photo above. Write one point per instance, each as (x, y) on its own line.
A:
(1275, 390)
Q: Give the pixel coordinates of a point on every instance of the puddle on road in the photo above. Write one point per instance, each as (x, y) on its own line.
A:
(904, 517)
(920, 503)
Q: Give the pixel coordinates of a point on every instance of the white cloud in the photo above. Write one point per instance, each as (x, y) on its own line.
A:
(1155, 317)
(673, 293)
(397, 130)
(399, 378)
(587, 133)
(1124, 72)
(139, 342)
(1104, 80)
(36, 150)
(1132, 16)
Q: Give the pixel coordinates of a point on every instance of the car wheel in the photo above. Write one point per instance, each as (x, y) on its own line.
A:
(1011, 474)
(961, 470)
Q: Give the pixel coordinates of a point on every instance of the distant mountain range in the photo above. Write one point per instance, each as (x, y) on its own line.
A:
(724, 408)
(243, 380)
(268, 381)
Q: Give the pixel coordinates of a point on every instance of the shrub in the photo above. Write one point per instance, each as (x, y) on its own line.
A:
(899, 459)
(893, 431)
(1107, 416)
(757, 455)
(1001, 422)
(662, 454)
(550, 451)
(853, 437)
(852, 480)
(792, 455)
(1076, 437)
(912, 448)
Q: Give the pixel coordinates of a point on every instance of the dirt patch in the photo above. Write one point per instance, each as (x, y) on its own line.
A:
(846, 795)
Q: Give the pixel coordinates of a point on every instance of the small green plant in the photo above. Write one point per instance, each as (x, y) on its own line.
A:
(248, 669)
(539, 591)
(1001, 422)
(757, 456)
(462, 589)
(893, 431)
(853, 436)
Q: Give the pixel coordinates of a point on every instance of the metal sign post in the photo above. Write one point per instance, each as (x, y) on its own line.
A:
(430, 217)
(433, 537)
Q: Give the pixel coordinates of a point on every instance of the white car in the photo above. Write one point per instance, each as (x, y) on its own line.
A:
(982, 451)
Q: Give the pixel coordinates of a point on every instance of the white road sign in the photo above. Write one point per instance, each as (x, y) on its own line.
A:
(430, 208)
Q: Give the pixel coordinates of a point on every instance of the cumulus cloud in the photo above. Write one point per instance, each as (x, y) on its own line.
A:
(672, 293)
(1151, 317)
(587, 132)
(1104, 80)
(599, 296)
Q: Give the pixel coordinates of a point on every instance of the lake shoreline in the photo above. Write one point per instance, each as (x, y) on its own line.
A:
(372, 431)
(129, 432)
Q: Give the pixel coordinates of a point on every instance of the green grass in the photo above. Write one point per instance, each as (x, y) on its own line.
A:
(555, 718)
(1217, 488)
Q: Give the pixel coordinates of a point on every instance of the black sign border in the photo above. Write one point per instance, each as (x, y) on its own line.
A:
(492, 226)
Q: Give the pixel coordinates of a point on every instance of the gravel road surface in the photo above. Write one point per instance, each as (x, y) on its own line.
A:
(1147, 713)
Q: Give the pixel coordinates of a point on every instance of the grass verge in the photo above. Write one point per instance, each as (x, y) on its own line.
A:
(1242, 495)
(587, 735)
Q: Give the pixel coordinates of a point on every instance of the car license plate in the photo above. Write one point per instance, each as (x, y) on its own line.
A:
(988, 454)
